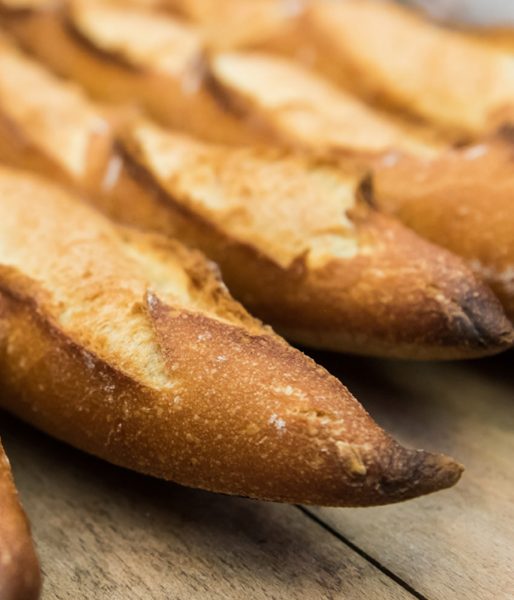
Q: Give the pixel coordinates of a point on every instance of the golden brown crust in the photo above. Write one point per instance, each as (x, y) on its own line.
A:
(19, 568)
(461, 200)
(298, 31)
(498, 37)
(118, 350)
(228, 98)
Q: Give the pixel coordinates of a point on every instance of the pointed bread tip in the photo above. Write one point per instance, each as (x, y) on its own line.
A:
(413, 473)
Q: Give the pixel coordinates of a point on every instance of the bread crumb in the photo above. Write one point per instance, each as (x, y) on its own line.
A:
(279, 423)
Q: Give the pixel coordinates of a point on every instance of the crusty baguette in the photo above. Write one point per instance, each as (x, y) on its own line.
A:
(448, 79)
(462, 200)
(19, 569)
(127, 345)
(328, 272)
(299, 244)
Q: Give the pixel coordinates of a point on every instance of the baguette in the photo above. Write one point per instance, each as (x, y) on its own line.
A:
(450, 79)
(20, 578)
(127, 346)
(311, 257)
(454, 197)
(343, 276)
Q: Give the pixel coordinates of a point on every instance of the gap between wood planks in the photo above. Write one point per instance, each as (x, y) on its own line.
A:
(373, 561)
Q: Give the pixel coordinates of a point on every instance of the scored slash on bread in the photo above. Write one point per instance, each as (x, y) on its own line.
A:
(127, 346)
(20, 578)
(296, 237)
(361, 46)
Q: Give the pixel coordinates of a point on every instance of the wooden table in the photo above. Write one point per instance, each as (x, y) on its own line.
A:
(105, 533)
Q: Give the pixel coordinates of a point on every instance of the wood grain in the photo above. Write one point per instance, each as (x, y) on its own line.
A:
(105, 533)
(459, 543)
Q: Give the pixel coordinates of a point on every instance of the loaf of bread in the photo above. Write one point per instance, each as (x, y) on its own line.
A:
(19, 568)
(56, 131)
(295, 237)
(302, 110)
(310, 114)
(450, 79)
(456, 198)
(127, 345)
(300, 245)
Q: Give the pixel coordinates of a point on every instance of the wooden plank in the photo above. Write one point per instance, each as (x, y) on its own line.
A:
(458, 543)
(105, 533)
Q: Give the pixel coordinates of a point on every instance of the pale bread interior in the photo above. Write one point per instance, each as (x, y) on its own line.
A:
(284, 206)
